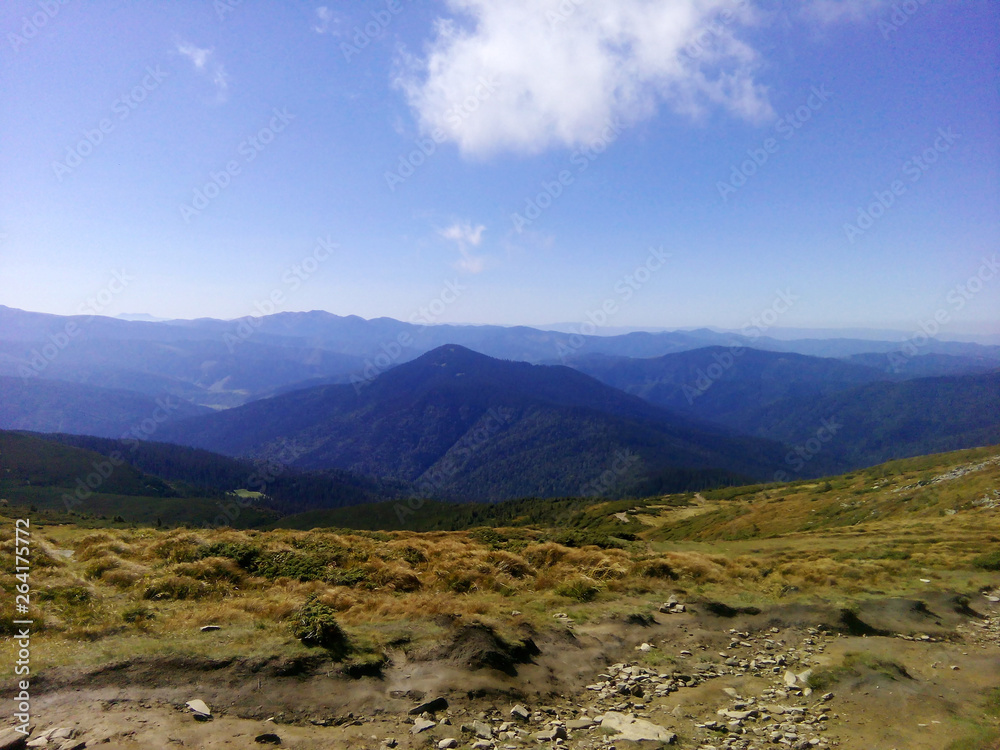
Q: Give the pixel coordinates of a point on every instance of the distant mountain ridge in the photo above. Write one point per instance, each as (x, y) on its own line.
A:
(226, 363)
(56, 406)
(460, 423)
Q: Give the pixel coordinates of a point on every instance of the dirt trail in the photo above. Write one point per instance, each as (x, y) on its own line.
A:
(715, 681)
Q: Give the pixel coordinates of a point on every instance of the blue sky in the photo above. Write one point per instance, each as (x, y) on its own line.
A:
(365, 157)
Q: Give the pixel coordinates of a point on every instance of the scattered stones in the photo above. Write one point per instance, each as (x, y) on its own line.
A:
(11, 739)
(200, 709)
(627, 727)
(482, 730)
(672, 606)
(421, 725)
(550, 735)
(430, 707)
(520, 712)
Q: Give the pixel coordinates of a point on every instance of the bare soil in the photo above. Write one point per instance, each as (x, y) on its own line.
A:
(950, 655)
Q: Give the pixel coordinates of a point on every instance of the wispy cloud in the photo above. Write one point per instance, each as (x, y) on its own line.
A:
(326, 21)
(206, 65)
(466, 235)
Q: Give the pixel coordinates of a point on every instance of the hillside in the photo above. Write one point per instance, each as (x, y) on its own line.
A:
(460, 423)
(42, 405)
(722, 384)
(927, 487)
(210, 474)
(882, 421)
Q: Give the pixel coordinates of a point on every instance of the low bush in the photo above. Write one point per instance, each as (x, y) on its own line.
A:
(315, 624)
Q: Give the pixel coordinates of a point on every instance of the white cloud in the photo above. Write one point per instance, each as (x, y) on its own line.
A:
(838, 11)
(464, 234)
(326, 20)
(196, 55)
(205, 65)
(562, 69)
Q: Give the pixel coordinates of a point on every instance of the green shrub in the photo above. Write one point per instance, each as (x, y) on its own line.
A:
(137, 613)
(315, 625)
(581, 589)
(489, 537)
(301, 566)
(989, 561)
(65, 594)
(413, 556)
(347, 577)
(243, 554)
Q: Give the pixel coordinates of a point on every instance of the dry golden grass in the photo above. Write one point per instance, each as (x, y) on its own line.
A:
(147, 590)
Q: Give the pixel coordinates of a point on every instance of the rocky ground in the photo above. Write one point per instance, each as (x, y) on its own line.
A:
(696, 675)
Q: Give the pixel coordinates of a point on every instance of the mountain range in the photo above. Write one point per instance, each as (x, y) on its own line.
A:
(489, 412)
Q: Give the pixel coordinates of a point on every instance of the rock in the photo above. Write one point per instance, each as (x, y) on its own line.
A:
(731, 692)
(447, 743)
(790, 679)
(584, 722)
(645, 647)
(209, 628)
(520, 712)
(11, 739)
(550, 735)
(200, 709)
(483, 745)
(432, 706)
(627, 727)
(268, 738)
(482, 730)
(421, 725)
